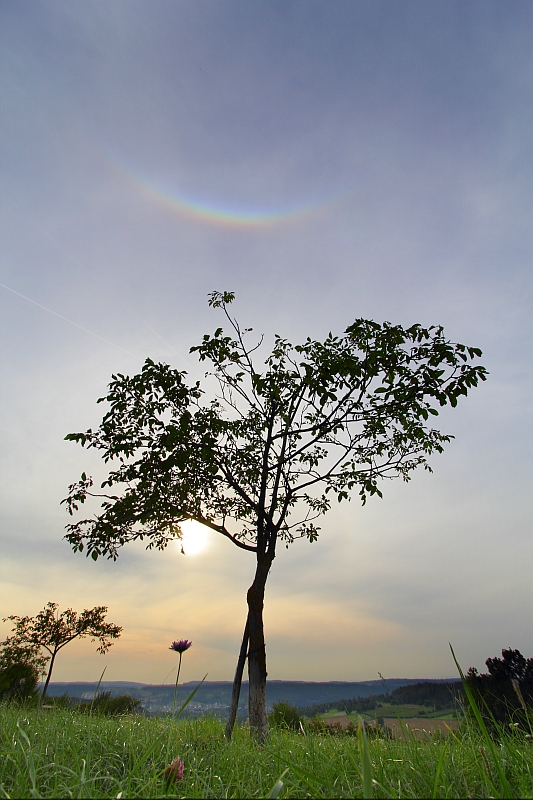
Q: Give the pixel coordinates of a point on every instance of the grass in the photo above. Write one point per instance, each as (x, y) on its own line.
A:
(63, 753)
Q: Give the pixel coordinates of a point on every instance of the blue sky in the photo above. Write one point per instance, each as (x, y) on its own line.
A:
(325, 161)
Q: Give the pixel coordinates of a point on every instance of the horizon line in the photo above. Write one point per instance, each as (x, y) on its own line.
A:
(274, 680)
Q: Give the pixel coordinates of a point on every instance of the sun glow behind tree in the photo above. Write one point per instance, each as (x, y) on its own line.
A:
(196, 538)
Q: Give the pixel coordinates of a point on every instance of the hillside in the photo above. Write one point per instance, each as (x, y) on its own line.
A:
(214, 696)
(431, 695)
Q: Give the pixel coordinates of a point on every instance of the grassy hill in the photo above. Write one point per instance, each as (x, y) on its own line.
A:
(424, 698)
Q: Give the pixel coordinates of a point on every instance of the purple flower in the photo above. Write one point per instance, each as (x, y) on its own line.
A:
(181, 646)
(174, 771)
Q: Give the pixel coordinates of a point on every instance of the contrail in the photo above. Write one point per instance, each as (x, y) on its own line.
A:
(161, 337)
(96, 335)
(76, 261)
(178, 355)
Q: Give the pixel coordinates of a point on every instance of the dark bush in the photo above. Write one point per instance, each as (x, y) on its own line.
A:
(109, 706)
(284, 716)
(317, 725)
(18, 682)
(61, 701)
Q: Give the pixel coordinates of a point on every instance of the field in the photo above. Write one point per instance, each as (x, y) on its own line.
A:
(395, 711)
(63, 753)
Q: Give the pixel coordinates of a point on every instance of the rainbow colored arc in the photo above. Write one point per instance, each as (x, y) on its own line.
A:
(216, 215)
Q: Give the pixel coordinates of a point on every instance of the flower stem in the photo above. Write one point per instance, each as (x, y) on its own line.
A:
(176, 686)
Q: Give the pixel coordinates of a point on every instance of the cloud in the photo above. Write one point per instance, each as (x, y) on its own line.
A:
(409, 130)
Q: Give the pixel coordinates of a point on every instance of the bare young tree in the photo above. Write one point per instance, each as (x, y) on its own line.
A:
(261, 461)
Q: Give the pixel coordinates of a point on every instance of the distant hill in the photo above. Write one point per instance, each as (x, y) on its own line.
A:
(439, 695)
(214, 696)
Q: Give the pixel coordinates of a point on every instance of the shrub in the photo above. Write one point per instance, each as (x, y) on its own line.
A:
(61, 701)
(109, 706)
(18, 682)
(285, 716)
(317, 726)
(320, 727)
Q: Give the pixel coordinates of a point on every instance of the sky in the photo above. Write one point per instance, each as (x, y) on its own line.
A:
(324, 161)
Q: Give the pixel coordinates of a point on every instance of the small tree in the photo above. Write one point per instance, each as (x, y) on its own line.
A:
(53, 631)
(261, 461)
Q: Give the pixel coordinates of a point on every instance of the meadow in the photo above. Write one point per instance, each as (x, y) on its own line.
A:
(65, 753)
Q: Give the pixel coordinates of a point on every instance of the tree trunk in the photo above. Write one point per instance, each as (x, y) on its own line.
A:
(257, 653)
(236, 691)
(45, 687)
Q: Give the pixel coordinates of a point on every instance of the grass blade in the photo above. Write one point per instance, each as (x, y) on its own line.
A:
(190, 697)
(278, 786)
(366, 763)
(313, 782)
(438, 771)
(28, 756)
(504, 784)
(96, 690)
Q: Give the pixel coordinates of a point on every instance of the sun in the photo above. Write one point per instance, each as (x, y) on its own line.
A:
(196, 538)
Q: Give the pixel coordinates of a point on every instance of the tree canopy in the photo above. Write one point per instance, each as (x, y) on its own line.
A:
(342, 413)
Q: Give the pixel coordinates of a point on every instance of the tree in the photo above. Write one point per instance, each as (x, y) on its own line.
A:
(504, 693)
(261, 460)
(53, 631)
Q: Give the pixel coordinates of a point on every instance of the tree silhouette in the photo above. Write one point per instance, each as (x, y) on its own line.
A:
(505, 692)
(53, 631)
(261, 461)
